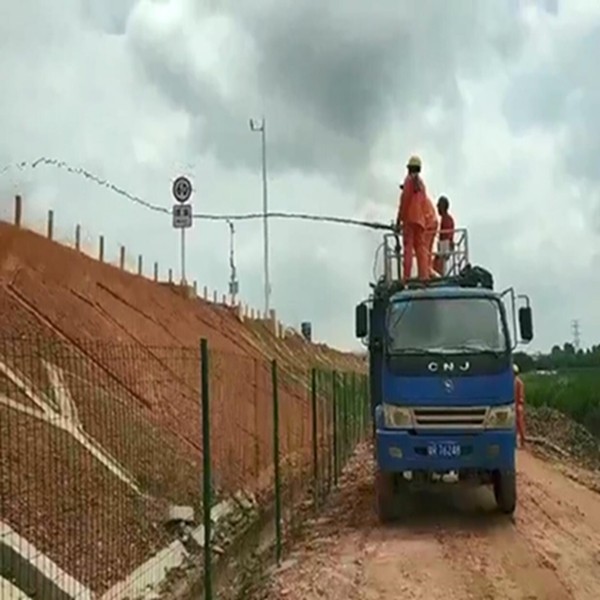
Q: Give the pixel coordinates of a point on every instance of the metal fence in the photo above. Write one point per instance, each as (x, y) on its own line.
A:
(110, 454)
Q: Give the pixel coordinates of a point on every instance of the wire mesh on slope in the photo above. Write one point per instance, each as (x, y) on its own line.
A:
(95, 443)
(98, 441)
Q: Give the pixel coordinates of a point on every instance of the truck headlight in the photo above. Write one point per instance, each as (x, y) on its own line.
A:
(501, 417)
(397, 417)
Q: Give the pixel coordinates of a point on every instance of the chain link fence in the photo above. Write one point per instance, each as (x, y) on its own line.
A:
(111, 454)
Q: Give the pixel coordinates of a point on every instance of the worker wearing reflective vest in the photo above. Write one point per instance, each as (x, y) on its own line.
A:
(520, 407)
(412, 221)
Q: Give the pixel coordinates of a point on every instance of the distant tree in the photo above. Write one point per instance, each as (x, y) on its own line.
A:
(560, 357)
(524, 361)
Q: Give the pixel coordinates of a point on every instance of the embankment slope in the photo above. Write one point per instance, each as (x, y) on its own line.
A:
(100, 404)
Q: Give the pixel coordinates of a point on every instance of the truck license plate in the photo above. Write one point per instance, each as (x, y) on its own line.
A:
(443, 449)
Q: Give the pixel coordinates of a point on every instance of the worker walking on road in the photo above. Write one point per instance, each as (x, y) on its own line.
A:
(446, 237)
(519, 407)
(411, 219)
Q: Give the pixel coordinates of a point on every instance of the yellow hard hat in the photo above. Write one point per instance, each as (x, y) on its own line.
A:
(414, 161)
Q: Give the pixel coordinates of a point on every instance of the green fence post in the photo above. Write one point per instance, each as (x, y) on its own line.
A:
(354, 411)
(335, 429)
(276, 461)
(206, 467)
(346, 420)
(368, 408)
(315, 433)
(322, 435)
(363, 409)
(355, 439)
(342, 421)
(355, 394)
(328, 429)
(348, 416)
(357, 391)
(358, 409)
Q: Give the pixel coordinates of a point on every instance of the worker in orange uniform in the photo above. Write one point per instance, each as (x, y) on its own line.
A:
(411, 220)
(446, 237)
(431, 231)
(520, 407)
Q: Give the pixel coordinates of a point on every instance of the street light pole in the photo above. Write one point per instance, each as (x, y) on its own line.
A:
(262, 128)
(233, 282)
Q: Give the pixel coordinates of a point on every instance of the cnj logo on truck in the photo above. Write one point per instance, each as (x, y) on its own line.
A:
(448, 367)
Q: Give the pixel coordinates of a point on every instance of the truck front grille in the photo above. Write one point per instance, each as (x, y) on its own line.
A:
(450, 417)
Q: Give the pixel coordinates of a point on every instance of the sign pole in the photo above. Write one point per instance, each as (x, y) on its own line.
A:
(183, 281)
(182, 214)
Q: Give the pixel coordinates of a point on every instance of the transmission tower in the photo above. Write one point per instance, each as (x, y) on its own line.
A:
(576, 334)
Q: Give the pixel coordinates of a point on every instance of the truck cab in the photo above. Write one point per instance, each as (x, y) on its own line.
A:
(442, 380)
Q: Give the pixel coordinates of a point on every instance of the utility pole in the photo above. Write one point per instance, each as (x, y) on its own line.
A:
(576, 334)
(233, 282)
(261, 127)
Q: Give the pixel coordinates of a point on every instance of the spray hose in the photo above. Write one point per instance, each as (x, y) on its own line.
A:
(300, 216)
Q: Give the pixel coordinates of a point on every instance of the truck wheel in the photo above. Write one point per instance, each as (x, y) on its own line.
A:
(384, 496)
(505, 491)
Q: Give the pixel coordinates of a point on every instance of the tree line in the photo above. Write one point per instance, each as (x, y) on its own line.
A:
(559, 357)
(574, 386)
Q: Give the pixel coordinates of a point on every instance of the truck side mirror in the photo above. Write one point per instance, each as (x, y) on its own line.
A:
(526, 323)
(362, 320)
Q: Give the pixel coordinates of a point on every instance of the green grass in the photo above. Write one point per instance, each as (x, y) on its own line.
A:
(575, 392)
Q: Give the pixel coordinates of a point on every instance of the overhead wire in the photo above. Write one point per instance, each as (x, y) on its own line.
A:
(45, 161)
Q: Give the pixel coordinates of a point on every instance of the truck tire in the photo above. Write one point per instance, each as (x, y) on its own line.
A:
(385, 499)
(505, 491)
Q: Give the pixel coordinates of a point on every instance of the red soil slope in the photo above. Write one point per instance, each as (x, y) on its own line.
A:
(128, 353)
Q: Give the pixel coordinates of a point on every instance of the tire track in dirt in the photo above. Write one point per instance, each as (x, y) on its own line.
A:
(452, 544)
(561, 519)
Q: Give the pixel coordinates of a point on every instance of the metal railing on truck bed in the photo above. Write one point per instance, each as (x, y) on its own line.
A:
(456, 258)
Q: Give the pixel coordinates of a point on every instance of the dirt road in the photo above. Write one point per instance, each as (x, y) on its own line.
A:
(452, 546)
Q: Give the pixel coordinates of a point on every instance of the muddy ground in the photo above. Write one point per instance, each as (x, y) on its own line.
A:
(452, 546)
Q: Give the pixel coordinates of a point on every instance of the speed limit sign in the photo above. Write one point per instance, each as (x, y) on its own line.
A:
(182, 189)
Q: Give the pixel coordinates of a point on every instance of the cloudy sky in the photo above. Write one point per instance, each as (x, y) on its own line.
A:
(498, 97)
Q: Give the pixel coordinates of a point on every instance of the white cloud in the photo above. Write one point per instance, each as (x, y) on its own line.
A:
(500, 103)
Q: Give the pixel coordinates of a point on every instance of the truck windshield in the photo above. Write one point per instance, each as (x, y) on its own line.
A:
(455, 325)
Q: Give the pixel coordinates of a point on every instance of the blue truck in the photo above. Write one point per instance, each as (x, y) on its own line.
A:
(442, 379)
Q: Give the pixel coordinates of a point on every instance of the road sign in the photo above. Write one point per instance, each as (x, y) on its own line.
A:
(182, 189)
(182, 216)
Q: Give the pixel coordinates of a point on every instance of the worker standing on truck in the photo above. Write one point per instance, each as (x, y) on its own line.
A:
(431, 231)
(446, 237)
(411, 219)
(520, 407)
